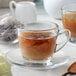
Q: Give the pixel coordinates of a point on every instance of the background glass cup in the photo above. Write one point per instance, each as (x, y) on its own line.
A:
(38, 42)
(69, 19)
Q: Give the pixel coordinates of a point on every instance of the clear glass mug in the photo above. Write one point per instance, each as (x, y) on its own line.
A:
(69, 19)
(38, 42)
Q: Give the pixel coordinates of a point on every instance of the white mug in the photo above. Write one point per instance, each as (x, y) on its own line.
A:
(25, 11)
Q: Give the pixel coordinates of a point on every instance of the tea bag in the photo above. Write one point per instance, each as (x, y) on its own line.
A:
(71, 70)
(8, 28)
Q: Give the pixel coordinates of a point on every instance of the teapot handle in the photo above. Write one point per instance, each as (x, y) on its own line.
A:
(12, 6)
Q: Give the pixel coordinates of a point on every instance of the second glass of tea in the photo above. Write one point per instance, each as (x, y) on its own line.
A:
(69, 19)
(38, 42)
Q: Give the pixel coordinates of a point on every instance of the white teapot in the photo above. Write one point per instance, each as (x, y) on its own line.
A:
(53, 7)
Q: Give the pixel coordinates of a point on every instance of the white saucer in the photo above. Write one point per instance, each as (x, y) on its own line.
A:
(15, 57)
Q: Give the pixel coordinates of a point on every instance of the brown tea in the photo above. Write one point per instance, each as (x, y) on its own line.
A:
(38, 45)
(69, 22)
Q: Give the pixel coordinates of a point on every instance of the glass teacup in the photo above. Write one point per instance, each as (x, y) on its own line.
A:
(69, 19)
(38, 42)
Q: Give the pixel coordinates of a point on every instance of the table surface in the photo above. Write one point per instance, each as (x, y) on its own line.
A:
(69, 49)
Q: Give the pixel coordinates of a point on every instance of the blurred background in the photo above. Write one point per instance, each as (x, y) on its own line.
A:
(5, 3)
(4, 6)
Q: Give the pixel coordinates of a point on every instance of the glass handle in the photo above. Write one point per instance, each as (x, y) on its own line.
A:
(66, 34)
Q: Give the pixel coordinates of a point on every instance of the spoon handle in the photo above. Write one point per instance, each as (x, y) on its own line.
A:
(66, 74)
